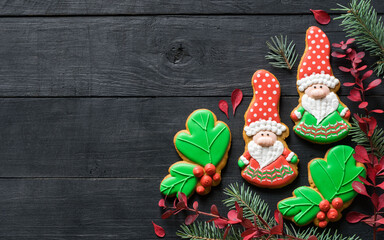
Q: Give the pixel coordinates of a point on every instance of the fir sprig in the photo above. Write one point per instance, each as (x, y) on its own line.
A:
(360, 21)
(206, 231)
(282, 54)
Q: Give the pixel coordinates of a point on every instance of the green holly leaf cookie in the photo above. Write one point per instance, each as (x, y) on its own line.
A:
(181, 179)
(203, 142)
(334, 176)
(303, 207)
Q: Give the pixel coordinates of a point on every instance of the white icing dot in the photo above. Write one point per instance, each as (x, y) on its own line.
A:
(254, 81)
(321, 40)
(251, 109)
(269, 109)
(309, 68)
(317, 46)
(317, 35)
(301, 70)
(313, 51)
(318, 67)
(277, 85)
(309, 57)
(274, 92)
(323, 62)
(269, 85)
(327, 57)
(255, 104)
(256, 92)
(322, 51)
(311, 31)
(265, 103)
(313, 41)
(313, 63)
(310, 48)
(261, 98)
(322, 72)
(275, 114)
(258, 75)
(273, 104)
(326, 46)
(267, 74)
(270, 118)
(304, 63)
(305, 74)
(249, 120)
(329, 68)
(269, 98)
(264, 80)
(309, 37)
(265, 114)
(318, 56)
(323, 35)
(265, 92)
(255, 115)
(273, 80)
(260, 109)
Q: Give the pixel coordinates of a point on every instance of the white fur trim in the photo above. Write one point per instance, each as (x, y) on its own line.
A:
(343, 112)
(245, 161)
(298, 114)
(290, 156)
(326, 79)
(264, 125)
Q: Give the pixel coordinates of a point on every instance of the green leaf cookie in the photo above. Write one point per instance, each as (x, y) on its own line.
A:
(206, 142)
(334, 177)
(303, 206)
(181, 180)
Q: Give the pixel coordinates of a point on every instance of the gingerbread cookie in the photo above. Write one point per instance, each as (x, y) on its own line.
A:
(320, 116)
(330, 189)
(267, 161)
(204, 147)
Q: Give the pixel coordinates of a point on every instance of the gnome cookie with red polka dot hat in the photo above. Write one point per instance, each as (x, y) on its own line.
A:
(267, 161)
(320, 116)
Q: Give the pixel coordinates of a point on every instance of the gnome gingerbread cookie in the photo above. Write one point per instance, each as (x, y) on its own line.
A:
(320, 116)
(267, 161)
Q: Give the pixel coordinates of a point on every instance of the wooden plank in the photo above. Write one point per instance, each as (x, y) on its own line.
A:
(115, 137)
(53, 209)
(121, 7)
(145, 56)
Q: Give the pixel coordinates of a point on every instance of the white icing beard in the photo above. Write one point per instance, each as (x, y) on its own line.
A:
(320, 108)
(265, 155)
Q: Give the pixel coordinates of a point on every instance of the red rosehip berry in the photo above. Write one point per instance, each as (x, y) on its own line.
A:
(200, 190)
(324, 205)
(206, 181)
(216, 177)
(210, 169)
(198, 172)
(332, 214)
(321, 216)
(337, 203)
(323, 224)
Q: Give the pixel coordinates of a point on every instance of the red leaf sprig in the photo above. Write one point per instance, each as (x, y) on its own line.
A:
(321, 16)
(234, 216)
(236, 98)
(367, 123)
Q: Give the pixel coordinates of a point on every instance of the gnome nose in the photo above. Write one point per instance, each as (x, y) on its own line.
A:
(319, 93)
(265, 141)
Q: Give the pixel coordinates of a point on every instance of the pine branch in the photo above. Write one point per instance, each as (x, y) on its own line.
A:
(281, 54)
(201, 230)
(361, 138)
(360, 21)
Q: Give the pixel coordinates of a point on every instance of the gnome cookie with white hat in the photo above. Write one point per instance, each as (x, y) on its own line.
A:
(320, 116)
(267, 161)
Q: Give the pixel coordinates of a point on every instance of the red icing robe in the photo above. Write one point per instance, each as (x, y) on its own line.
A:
(276, 174)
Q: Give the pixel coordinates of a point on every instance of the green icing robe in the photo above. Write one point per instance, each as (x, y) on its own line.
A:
(331, 129)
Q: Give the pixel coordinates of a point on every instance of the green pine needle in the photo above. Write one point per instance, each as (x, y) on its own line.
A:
(359, 137)
(281, 54)
(360, 21)
(206, 231)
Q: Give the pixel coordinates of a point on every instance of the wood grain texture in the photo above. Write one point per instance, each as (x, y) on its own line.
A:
(145, 56)
(132, 7)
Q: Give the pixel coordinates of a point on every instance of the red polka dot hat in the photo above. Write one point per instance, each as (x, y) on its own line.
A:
(315, 67)
(263, 111)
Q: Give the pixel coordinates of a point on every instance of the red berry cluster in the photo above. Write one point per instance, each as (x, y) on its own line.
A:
(207, 176)
(327, 212)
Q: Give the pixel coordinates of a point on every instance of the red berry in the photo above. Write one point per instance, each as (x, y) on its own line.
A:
(323, 224)
(324, 205)
(321, 216)
(337, 203)
(210, 169)
(200, 190)
(216, 177)
(198, 172)
(206, 181)
(332, 214)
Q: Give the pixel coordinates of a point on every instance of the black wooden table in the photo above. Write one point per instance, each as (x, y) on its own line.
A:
(92, 93)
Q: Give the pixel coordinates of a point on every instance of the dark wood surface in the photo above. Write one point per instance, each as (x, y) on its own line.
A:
(92, 93)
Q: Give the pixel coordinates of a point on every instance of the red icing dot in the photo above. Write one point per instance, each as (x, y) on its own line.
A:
(206, 181)
(321, 216)
(323, 224)
(337, 203)
(200, 190)
(198, 172)
(324, 205)
(332, 214)
(216, 177)
(210, 169)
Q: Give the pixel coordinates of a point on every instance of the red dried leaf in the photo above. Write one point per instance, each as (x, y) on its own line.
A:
(360, 188)
(349, 84)
(180, 205)
(223, 105)
(365, 181)
(321, 16)
(232, 216)
(182, 197)
(366, 75)
(195, 205)
(381, 202)
(249, 233)
(246, 223)
(226, 232)
(237, 206)
(236, 97)
(375, 200)
(159, 231)
(374, 84)
(167, 214)
(344, 69)
(214, 209)
(380, 229)
(370, 221)
(220, 223)
(360, 55)
(381, 185)
(371, 173)
(354, 95)
(338, 55)
(372, 125)
(363, 105)
(240, 213)
(354, 217)
(313, 237)
(361, 152)
(377, 111)
(381, 221)
(191, 218)
(337, 45)
(263, 221)
(162, 203)
(350, 40)
(278, 229)
(362, 68)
